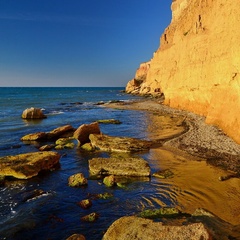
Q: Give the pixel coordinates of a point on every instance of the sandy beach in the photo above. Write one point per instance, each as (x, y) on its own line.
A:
(199, 139)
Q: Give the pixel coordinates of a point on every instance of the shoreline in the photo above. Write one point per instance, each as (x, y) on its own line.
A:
(201, 140)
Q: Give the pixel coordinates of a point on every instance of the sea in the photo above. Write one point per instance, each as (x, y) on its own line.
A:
(56, 214)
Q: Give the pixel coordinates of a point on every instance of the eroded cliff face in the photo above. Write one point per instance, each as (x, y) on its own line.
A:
(197, 65)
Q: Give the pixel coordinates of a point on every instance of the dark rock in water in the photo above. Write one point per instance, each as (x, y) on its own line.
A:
(163, 174)
(76, 103)
(109, 121)
(83, 132)
(92, 217)
(47, 147)
(118, 144)
(99, 103)
(77, 180)
(27, 165)
(85, 204)
(33, 113)
(76, 237)
(119, 166)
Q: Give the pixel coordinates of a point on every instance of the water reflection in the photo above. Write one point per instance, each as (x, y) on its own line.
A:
(195, 185)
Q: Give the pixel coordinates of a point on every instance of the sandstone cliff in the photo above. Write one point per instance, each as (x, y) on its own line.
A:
(197, 66)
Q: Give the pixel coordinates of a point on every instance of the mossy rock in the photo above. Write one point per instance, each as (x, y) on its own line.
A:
(109, 181)
(85, 204)
(109, 121)
(92, 217)
(164, 174)
(87, 147)
(160, 213)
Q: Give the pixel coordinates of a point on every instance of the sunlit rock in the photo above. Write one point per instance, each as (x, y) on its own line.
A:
(118, 144)
(27, 165)
(131, 166)
(77, 180)
(33, 113)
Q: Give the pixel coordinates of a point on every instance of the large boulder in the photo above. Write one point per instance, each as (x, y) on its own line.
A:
(132, 227)
(119, 166)
(27, 165)
(33, 113)
(83, 132)
(118, 144)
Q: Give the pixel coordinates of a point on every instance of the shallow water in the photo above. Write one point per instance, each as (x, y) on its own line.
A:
(56, 215)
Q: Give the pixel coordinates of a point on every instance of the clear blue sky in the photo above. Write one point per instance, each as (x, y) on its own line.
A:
(78, 42)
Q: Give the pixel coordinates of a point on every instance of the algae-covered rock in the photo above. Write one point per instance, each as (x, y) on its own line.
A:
(63, 143)
(77, 180)
(119, 166)
(103, 196)
(27, 165)
(163, 174)
(118, 144)
(87, 147)
(109, 181)
(109, 121)
(92, 217)
(159, 213)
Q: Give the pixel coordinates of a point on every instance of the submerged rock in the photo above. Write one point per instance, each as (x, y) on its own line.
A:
(83, 132)
(85, 204)
(77, 180)
(63, 143)
(103, 196)
(119, 166)
(163, 174)
(132, 227)
(159, 213)
(118, 144)
(92, 217)
(33, 113)
(27, 165)
(109, 121)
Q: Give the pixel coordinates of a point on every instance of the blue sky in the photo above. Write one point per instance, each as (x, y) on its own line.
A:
(78, 42)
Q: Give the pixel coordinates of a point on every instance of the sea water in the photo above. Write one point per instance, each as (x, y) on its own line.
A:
(56, 215)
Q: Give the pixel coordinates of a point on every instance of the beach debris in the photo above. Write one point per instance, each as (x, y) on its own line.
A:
(77, 180)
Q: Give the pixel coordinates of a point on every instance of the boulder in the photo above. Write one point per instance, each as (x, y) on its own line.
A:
(119, 166)
(39, 136)
(77, 180)
(61, 132)
(27, 165)
(118, 144)
(83, 132)
(133, 227)
(33, 113)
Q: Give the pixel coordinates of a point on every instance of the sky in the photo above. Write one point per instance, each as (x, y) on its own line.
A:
(78, 43)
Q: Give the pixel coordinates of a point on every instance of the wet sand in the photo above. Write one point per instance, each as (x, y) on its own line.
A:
(187, 132)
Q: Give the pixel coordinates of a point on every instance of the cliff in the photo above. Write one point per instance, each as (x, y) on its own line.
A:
(197, 66)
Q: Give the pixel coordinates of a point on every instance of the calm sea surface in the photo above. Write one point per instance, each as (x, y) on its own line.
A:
(56, 214)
